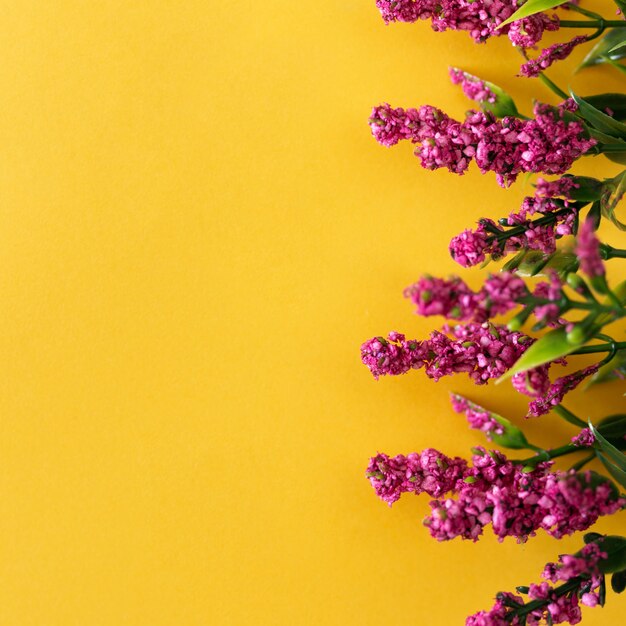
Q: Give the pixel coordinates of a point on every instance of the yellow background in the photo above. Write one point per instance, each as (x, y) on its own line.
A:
(197, 232)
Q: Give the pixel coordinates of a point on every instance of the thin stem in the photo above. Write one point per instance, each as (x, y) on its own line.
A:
(578, 466)
(568, 416)
(600, 347)
(548, 455)
(552, 86)
(592, 23)
(614, 253)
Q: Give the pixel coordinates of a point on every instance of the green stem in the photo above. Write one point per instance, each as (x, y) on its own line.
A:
(612, 147)
(548, 455)
(562, 590)
(578, 466)
(568, 416)
(600, 347)
(613, 253)
(592, 23)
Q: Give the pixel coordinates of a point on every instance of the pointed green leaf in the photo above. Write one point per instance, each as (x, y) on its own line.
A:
(512, 437)
(618, 474)
(503, 106)
(609, 202)
(551, 346)
(598, 119)
(606, 48)
(616, 102)
(618, 581)
(536, 263)
(608, 449)
(615, 548)
(530, 8)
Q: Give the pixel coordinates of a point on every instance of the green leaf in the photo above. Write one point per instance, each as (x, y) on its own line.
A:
(614, 101)
(615, 548)
(503, 106)
(598, 119)
(618, 581)
(613, 428)
(551, 346)
(536, 263)
(530, 8)
(615, 188)
(512, 437)
(608, 449)
(606, 48)
(618, 474)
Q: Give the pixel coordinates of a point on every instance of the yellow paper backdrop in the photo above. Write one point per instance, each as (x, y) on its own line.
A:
(197, 232)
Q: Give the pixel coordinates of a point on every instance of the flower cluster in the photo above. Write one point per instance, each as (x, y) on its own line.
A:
(477, 417)
(555, 393)
(518, 232)
(549, 143)
(480, 18)
(550, 55)
(518, 501)
(428, 472)
(483, 351)
(554, 605)
(453, 299)
(515, 500)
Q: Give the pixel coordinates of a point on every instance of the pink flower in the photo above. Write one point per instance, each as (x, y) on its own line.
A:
(392, 356)
(584, 439)
(474, 88)
(588, 250)
(549, 143)
(477, 417)
(527, 32)
(550, 55)
(428, 472)
(557, 391)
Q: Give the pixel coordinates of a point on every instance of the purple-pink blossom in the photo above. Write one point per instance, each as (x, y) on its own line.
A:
(584, 439)
(428, 471)
(556, 605)
(477, 417)
(474, 88)
(557, 391)
(527, 32)
(482, 351)
(549, 143)
(588, 250)
(557, 52)
(517, 502)
(453, 299)
(479, 18)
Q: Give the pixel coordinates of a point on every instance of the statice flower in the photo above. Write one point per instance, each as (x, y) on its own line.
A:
(454, 299)
(428, 472)
(472, 247)
(588, 250)
(479, 18)
(474, 88)
(393, 355)
(527, 32)
(550, 55)
(517, 501)
(551, 291)
(562, 187)
(556, 605)
(534, 382)
(549, 143)
(557, 391)
(584, 439)
(477, 417)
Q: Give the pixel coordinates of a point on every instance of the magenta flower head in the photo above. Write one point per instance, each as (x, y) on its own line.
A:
(393, 355)
(527, 32)
(550, 55)
(557, 391)
(474, 88)
(588, 250)
(428, 472)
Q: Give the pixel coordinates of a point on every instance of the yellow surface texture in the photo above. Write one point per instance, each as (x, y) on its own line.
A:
(196, 234)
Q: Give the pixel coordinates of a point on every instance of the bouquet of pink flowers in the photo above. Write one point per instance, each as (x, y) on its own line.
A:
(549, 302)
